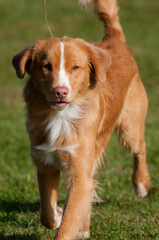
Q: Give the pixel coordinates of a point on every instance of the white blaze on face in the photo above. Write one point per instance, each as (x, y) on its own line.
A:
(63, 78)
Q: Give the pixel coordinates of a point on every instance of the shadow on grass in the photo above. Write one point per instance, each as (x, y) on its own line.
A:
(14, 206)
(9, 206)
(19, 237)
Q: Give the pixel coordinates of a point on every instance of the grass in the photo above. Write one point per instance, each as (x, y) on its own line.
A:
(121, 215)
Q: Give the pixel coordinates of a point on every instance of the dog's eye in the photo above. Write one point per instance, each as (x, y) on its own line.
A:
(48, 66)
(75, 68)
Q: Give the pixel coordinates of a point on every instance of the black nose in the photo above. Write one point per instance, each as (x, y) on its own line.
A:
(61, 92)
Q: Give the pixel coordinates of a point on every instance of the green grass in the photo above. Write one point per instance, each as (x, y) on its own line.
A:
(121, 215)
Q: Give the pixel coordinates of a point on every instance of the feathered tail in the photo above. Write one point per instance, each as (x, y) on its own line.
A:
(107, 11)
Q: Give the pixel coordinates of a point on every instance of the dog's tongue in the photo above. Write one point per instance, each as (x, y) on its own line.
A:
(59, 105)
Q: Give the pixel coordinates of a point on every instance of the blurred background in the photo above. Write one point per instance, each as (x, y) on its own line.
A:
(121, 215)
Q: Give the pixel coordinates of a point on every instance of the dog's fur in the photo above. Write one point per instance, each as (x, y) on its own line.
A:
(104, 93)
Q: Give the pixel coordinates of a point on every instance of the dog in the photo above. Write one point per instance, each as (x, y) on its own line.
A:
(76, 95)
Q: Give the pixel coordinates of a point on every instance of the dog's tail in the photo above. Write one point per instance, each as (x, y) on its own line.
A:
(107, 11)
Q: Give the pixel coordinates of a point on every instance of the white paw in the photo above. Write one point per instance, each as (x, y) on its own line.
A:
(83, 235)
(58, 216)
(84, 2)
(141, 191)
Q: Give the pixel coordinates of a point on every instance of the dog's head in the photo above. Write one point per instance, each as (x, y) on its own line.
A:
(62, 69)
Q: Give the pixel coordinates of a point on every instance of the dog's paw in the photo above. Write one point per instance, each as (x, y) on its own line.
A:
(141, 191)
(83, 235)
(58, 217)
(84, 2)
(52, 221)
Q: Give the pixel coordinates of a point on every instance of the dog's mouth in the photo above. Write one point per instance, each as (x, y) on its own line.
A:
(59, 105)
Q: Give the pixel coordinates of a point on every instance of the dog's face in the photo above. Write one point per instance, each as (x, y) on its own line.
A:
(63, 70)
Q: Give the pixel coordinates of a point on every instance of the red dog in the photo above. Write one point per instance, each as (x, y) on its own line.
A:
(76, 95)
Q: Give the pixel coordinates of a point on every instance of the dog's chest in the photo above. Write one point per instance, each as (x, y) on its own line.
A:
(59, 127)
(61, 135)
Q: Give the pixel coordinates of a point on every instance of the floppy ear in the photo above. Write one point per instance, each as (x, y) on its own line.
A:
(21, 62)
(100, 61)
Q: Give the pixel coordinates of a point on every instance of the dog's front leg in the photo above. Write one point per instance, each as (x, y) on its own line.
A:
(79, 198)
(48, 180)
(78, 205)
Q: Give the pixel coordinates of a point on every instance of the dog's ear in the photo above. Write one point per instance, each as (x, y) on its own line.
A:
(22, 61)
(99, 62)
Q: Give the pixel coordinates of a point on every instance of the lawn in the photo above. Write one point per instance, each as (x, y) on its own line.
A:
(121, 215)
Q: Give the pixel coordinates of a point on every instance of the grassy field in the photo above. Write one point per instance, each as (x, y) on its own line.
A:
(121, 215)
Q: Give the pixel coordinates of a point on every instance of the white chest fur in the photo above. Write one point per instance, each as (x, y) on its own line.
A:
(58, 125)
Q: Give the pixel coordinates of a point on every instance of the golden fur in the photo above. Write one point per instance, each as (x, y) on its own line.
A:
(105, 94)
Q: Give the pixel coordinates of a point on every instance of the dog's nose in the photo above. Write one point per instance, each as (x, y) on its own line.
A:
(61, 92)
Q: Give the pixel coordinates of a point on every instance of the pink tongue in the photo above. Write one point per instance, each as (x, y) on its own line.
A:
(60, 105)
